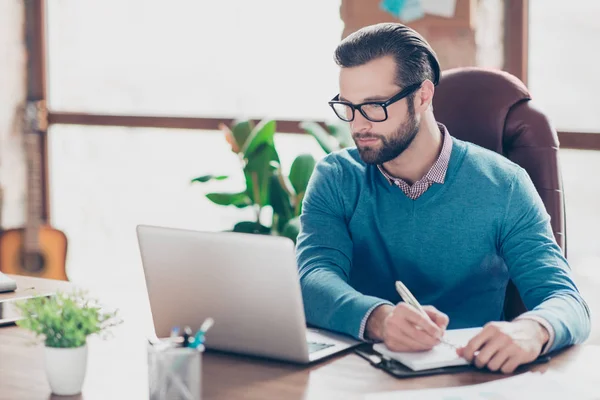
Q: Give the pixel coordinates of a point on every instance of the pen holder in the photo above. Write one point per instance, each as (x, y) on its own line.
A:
(174, 373)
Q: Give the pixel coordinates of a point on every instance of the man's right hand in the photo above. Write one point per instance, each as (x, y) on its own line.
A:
(403, 328)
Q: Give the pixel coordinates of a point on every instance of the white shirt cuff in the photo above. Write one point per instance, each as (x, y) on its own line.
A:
(545, 324)
(363, 323)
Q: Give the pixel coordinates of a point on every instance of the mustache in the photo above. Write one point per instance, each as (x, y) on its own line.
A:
(366, 136)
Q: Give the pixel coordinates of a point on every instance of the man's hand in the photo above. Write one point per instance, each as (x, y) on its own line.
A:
(403, 328)
(505, 345)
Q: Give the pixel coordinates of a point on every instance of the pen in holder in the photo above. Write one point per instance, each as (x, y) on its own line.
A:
(174, 372)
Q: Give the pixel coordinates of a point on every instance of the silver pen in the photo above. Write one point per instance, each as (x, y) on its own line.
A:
(409, 299)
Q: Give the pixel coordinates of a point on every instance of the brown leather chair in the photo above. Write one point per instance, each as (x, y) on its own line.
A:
(494, 110)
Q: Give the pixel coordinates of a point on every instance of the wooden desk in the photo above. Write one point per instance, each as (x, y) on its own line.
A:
(117, 370)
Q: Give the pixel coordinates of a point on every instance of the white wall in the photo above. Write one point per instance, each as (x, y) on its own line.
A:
(12, 94)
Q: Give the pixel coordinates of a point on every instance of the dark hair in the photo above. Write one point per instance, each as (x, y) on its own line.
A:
(415, 59)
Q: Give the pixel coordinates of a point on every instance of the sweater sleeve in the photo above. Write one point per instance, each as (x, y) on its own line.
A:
(324, 255)
(538, 268)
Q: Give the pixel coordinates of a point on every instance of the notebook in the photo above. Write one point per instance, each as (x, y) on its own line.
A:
(442, 355)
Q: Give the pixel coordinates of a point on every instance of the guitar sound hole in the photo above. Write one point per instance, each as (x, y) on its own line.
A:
(32, 262)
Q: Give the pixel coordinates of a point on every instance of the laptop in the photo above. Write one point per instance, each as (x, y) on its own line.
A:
(247, 283)
(7, 284)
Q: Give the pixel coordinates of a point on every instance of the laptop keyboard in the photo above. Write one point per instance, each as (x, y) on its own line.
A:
(314, 346)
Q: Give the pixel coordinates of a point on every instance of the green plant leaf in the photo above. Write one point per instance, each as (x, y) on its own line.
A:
(239, 200)
(252, 188)
(251, 227)
(291, 229)
(65, 319)
(206, 178)
(284, 181)
(280, 201)
(342, 133)
(301, 170)
(325, 140)
(262, 134)
(241, 131)
(258, 171)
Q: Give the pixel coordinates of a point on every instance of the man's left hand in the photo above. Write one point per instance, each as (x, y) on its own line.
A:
(505, 345)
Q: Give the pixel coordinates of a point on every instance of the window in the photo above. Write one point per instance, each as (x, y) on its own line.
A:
(106, 180)
(197, 58)
(563, 78)
(200, 58)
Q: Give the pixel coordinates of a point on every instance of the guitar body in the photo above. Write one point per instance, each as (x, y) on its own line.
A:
(37, 249)
(47, 262)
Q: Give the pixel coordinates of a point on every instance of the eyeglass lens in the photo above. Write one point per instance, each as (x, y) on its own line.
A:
(373, 112)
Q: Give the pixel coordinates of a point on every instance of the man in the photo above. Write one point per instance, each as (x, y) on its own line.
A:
(451, 220)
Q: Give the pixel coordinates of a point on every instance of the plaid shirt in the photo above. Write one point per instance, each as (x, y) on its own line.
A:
(436, 174)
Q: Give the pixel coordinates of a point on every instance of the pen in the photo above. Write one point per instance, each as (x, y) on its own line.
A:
(199, 336)
(408, 298)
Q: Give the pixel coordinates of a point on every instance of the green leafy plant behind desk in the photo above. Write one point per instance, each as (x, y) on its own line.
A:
(266, 184)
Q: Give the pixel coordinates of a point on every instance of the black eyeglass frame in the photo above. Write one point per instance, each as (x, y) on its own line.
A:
(383, 104)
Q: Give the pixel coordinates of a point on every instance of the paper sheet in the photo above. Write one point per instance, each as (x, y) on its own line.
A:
(441, 355)
(550, 385)
(442, 8)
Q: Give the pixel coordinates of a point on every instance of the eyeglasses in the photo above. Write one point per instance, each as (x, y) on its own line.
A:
(374, 111)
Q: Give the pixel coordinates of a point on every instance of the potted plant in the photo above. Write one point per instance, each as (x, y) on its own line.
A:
(64, 321)
(266, 184)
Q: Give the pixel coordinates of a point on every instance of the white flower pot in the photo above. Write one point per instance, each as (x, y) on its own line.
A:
(65, 369)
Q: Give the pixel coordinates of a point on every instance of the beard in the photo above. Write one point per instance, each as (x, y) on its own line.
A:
(390, 147)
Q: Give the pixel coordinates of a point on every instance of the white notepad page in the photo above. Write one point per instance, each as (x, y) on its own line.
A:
(441, 355)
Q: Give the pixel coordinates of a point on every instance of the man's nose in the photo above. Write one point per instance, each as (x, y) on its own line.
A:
(360, 124)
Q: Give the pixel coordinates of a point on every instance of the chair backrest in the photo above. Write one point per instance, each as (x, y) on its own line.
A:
(494, 109)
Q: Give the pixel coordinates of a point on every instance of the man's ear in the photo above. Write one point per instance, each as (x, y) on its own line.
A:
(424, 96)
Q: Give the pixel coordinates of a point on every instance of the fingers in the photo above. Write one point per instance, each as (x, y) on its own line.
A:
(400, 341)
(490, 350)
(418, 335)
(438, 317)
(460, 351)
(405, 329)
(416, 318)
(500, 358)
(511, 364)
(476, 343)
(495, 349)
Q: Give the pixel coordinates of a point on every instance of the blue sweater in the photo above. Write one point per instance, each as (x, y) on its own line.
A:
(455, 247)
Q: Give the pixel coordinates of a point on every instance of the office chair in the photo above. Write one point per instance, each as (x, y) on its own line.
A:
(494, 109)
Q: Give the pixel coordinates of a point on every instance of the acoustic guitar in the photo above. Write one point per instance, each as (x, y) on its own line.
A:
(36, 249)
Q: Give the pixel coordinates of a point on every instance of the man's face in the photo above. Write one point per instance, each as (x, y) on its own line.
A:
(378, 142)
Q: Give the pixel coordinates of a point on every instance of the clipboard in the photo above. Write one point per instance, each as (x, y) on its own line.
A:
(398, 370)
